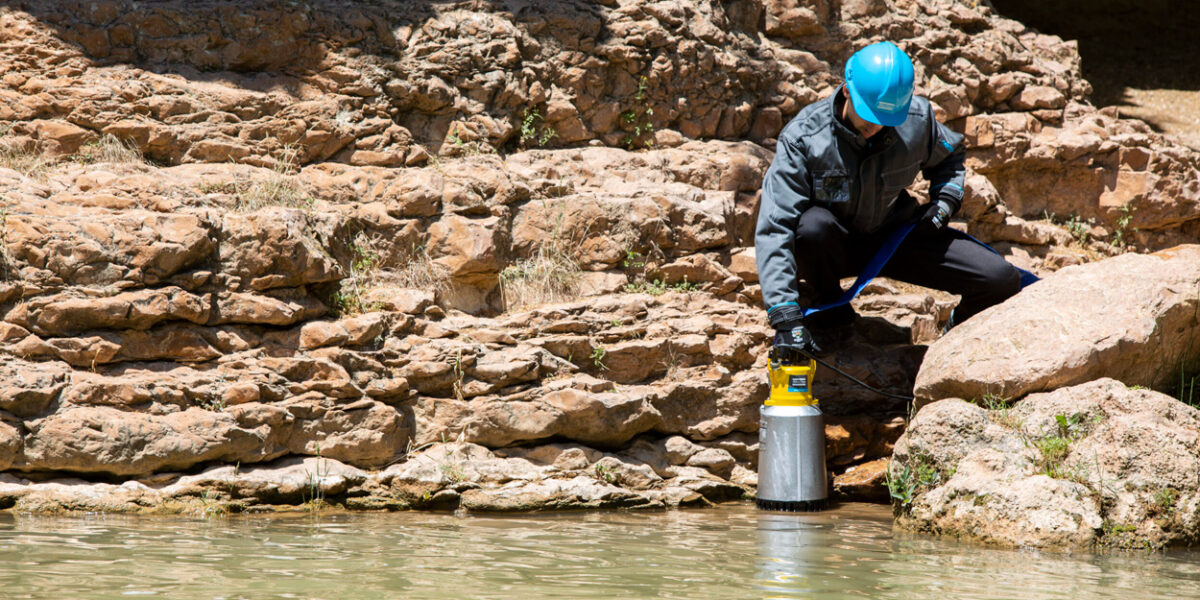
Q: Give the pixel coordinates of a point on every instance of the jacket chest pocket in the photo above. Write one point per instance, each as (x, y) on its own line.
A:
(831, 186)
(897, 179)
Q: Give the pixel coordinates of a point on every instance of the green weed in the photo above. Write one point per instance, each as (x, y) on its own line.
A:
(1165, 499)
(597, 357)
(364, 266)
(633, 260)
(1185, 390)
(453, 472)
(533, 134)
(1054, 449)
(1000, 410)
(656, 287)
(911, 479)
(637, 121)
(605, 473)
(1122, 226)
(314, 495)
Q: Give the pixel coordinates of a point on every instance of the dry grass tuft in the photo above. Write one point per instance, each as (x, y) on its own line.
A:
(551, 275)
(367, 273)
(109, 149)
(278, 188)
(23, 157)
(419, 271)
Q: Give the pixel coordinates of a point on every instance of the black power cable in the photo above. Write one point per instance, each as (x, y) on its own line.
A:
(854, 379)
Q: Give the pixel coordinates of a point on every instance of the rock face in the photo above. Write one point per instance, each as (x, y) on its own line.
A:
(1087, 462)
(510, 240)
(1134, 318)
(1096, 464)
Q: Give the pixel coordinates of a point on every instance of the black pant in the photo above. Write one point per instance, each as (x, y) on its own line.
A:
(947, 260)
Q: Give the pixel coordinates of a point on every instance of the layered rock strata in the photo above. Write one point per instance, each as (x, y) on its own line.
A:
(485, 254)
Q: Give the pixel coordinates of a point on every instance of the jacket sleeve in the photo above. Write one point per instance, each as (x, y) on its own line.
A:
(945, 171)
(785, 196)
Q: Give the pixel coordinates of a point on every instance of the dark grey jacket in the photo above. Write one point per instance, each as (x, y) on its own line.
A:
(821, 162)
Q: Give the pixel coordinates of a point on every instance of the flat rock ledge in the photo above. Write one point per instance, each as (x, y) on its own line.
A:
(668, 472)
(441, 477)
(1093, 466)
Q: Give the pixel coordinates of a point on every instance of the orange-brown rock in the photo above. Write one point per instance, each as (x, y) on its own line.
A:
(290, 245)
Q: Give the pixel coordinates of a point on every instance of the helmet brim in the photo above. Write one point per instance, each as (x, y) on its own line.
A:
(878, 117)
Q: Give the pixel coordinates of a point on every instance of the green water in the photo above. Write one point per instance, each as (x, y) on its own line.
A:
(729, 552)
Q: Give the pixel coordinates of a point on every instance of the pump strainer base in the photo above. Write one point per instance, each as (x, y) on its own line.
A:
(793, 505)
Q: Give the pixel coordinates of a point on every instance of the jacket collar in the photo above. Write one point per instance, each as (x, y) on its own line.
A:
(849, 134)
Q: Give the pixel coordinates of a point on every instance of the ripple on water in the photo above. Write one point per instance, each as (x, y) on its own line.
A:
(729, 552)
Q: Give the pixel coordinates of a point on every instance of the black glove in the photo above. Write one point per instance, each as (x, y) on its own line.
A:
(935, 217)
(794, 337)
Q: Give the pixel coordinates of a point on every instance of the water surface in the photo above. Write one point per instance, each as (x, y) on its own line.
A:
(729, 552)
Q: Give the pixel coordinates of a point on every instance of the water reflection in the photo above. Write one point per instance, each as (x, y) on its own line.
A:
(730, 552)
(818, 556)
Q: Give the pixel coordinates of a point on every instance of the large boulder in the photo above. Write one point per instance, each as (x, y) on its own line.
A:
(1097, 464)
(1134, 318)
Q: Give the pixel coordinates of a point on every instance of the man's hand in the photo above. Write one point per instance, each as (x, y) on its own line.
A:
(935, 217)
(795, 337)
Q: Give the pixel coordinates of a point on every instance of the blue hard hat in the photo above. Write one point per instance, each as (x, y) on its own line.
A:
(880, 80)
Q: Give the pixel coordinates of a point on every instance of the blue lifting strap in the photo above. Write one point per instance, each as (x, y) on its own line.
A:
(883, 255)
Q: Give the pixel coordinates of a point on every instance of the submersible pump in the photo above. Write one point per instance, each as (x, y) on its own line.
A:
(791, 438)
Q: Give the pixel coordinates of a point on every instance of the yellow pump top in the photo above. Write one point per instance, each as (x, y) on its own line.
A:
(791, 385)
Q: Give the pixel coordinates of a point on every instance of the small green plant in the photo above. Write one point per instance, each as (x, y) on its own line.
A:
(633, 260)
(637, 121)
(461, 147)
(364, 266)
(1121, 536)
(597, 357)
(684, 286)
(1000, 410)
(212, 402)
(656, 287)
(213, 399)
(210, 505)
(1165, 499)
(314, 496)
(453, 472)
(616, 322)
(605, 473)
(532, 133)
(1185, 391)
(1123, 225)
(1080, 229)
(911, 478)
(1054, 449)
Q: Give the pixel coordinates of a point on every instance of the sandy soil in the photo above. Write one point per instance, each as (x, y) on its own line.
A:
(1139, 55)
